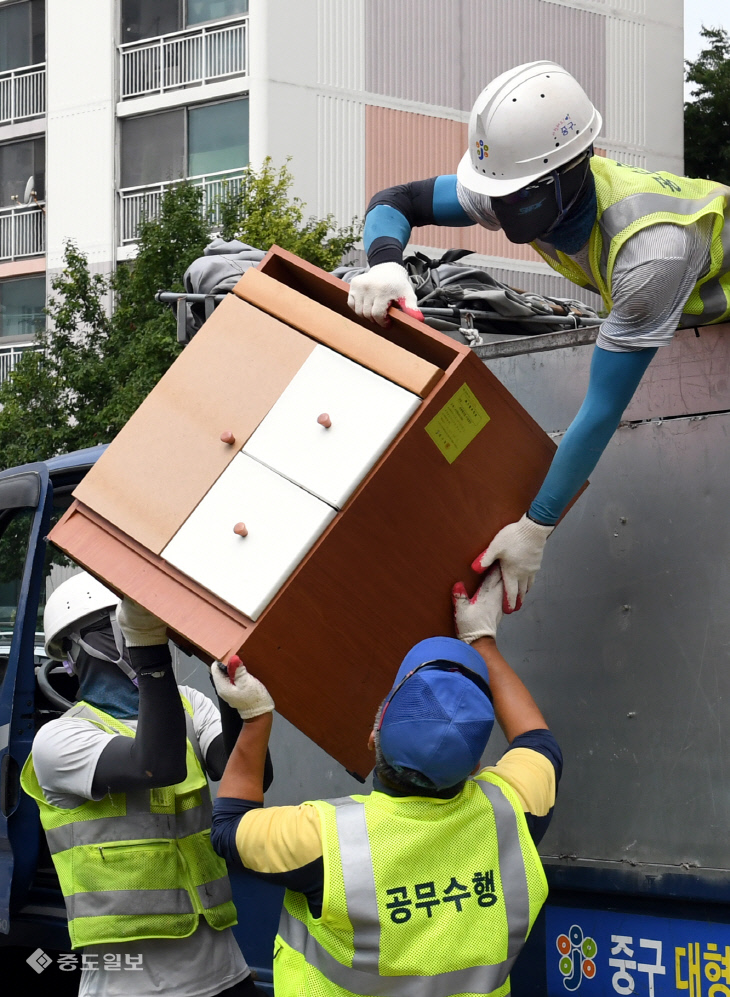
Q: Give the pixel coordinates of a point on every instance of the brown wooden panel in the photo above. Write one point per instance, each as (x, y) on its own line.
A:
(412, 335)
(338, 332)
(380, 579)
(127, 568)
(169, 454)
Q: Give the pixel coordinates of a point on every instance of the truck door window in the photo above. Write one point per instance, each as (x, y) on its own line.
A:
(15, 527)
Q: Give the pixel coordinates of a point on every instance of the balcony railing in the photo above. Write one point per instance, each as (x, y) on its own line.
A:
(22, 232)
(138, 204)
(9, 356)
(22, 94)
(184, 59)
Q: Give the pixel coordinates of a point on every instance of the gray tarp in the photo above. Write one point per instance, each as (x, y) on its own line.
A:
(468, 298)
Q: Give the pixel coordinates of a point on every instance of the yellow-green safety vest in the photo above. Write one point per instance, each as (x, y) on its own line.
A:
(630, 199)
(422, 897)
(140, 864)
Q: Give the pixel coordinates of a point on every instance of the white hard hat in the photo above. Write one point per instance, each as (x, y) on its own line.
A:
(528, 122)
(72, 602)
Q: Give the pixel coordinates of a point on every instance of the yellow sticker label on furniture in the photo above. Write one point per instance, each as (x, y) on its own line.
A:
(454, 427)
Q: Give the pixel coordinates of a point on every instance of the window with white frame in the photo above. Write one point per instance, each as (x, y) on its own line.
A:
(184, 142)
(22, 300)
(199, 11)
(142, 19)
(22, 34)
(20, 163)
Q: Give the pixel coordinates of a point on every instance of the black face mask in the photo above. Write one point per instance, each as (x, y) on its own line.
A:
(533, 211)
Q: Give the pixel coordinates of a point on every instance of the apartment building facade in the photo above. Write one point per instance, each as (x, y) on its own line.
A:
(104, 102)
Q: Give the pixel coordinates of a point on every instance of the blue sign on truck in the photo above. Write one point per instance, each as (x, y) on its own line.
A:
(603, 953)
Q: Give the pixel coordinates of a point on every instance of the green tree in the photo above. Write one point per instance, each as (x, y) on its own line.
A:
(94, 365)
(261, 212)
(707, 114)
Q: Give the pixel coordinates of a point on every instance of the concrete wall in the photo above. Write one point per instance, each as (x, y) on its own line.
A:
(80, 142)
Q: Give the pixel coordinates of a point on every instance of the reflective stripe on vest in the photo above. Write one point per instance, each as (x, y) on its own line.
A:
(620, 217)
(473, 980)
(712, 293)
(215, 892)
(359, 881)
(137, 827)
(128, 903)
(101, 903)
(168, 828)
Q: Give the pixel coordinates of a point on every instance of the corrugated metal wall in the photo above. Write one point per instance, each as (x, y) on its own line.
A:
(340, 137)
(341, 158)
(402, 146)
(413, 46)
(605, 6)
(625, 107)
(398, 78)
(340, 50)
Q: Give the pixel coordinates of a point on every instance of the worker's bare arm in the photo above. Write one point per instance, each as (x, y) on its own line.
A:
(476, 620)
(243, 778)
(515, 709)
(245, 773)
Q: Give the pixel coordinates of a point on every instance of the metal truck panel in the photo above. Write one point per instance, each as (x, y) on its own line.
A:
(690, 377)
(624, 638)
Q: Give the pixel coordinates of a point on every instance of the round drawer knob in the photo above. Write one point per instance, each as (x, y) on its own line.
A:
(324, 420)
(228, 437)
(240, 529)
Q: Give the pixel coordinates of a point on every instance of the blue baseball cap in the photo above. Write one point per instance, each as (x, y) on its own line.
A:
(438, 716)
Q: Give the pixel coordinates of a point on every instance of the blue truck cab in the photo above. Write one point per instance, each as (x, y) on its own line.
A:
(34, 690)
(32, 497)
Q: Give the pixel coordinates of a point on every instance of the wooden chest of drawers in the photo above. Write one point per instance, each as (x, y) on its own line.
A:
(360, 472)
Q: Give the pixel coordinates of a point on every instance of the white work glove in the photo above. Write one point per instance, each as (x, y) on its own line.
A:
(518, 548)
(481, 615)
(373, 292)
(237, 687)
(139, 626)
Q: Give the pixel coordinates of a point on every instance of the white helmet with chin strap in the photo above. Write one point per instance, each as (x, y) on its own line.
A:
(528, 122)
(77, 603)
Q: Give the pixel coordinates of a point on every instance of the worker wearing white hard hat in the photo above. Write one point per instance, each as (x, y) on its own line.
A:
(655, 246)
(121, 781)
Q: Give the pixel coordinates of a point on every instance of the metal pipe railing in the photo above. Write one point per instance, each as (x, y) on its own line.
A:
(143, 202)
(22, 231)
(22, 93)
(186, 58)
(9, 356)
(583, 332)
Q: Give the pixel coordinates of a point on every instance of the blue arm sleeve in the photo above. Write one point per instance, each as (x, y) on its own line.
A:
(386, 222)
(393, 212)
(613, 380)
(446, 207)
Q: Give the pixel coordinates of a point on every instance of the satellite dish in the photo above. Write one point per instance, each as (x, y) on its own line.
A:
(29, 192)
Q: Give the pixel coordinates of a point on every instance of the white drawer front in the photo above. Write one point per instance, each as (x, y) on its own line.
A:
(282, 521)
(366, 412)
